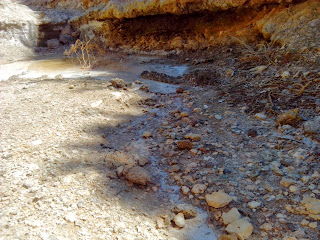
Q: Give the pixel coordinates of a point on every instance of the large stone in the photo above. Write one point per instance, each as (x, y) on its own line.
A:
(242, 228)
(138, 175)
(231, 216)
(218, 199)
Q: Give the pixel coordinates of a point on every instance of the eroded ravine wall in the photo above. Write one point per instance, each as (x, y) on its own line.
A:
(147, 25)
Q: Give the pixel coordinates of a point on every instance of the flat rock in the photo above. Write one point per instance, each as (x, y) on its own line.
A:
(188, 210)
(242, 228)
(218, 199)
(138, 175)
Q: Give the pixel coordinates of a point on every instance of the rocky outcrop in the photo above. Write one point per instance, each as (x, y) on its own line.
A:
(147, 25)
(193, 25)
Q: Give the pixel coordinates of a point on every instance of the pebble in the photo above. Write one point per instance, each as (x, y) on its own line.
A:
(193, 137)
(254, 204)
(198, 188)
(285, 74)
(242, 228)
(285, 182)
(218, 117)
(185, 190)
(184, 145)
(218, 199)
(231, 216)
(70, 217)
(184, 114)
(290, 117)
(260, 116)
(147, 134)
(266, 227)
(179, 220)
(174, 168)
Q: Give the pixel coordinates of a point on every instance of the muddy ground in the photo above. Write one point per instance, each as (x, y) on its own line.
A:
(69, 136)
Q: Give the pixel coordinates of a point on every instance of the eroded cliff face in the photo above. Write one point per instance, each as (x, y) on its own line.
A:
(147, 25)
(192, 24)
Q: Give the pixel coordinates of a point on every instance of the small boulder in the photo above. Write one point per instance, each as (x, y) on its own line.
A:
(218, 199)
(138, 175)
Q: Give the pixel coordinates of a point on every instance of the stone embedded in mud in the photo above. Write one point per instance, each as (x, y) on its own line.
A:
(231, 216)
(290, 117)
(218, 199)
(242, 228)
(184, 145)
(138, 175)
(179, 220)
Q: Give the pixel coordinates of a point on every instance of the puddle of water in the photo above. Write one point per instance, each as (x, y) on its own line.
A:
(174, 71)
(128, 69)
(53, 65)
